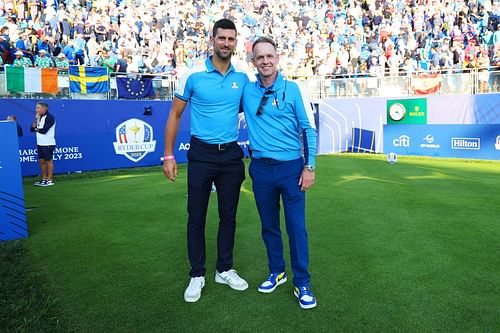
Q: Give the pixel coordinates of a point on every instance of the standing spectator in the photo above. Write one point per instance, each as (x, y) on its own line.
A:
(21, 43)
(93, 51)
(5, 46)
(121, 64)
(483, 66)
(45, 128)
(107, 61)
(101, 31)
(70, 53)
(65, 28)
(80, 45)
(279, 116)
(214, 155)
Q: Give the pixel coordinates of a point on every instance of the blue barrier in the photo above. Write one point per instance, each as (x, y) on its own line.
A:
(462, 141)
(12, 210)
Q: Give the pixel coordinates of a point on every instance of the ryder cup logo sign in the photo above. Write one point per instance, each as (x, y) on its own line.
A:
(134, 139)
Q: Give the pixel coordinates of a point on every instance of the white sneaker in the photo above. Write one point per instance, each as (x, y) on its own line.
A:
(193, 291)
(232, 279)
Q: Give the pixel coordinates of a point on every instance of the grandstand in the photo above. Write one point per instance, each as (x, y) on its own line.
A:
(338, 49)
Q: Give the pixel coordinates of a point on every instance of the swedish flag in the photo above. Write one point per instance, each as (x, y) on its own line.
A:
(88, 80)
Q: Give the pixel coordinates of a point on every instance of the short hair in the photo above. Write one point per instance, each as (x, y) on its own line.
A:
(264, 39)
(223, 24)
(43, 105)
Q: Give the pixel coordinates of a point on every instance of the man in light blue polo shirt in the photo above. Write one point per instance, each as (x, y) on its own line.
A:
(213, 91)
(282, 136)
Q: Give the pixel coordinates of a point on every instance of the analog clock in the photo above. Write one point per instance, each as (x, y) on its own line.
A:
(397, 111)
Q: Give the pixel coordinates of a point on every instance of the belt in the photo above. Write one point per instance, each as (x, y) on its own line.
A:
(213, 146)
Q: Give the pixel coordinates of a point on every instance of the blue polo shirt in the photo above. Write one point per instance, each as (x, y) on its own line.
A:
(286, 129)
(214, 101)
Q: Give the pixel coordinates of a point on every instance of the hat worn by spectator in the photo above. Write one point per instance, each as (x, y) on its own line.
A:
(19, 53)
(60, 55)
(42, 51)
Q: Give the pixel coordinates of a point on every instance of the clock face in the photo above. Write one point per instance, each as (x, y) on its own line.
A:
(397, 111)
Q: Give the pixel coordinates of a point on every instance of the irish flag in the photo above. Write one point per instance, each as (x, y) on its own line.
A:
(31, 80)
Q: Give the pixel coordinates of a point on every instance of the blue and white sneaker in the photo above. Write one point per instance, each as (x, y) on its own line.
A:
(41, 182)
(272, 281)
(305, 296)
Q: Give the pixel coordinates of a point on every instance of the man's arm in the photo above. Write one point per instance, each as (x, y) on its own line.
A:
(171, 130)
(305, 117)
(49, 122)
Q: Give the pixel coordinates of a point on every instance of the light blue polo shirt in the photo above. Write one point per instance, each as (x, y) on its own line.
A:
(286, 129)
(214, 101)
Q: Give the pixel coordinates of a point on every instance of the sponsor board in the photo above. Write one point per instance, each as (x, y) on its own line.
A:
(463, 141)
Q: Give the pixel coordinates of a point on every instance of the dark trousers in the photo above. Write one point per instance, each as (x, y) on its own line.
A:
(222, 165)
(271, 180)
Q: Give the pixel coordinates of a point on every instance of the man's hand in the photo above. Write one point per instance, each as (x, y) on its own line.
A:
(306, 179)
(170, 169)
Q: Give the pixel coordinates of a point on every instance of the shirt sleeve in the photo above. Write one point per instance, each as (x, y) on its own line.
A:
(307, 125)
(49, 122)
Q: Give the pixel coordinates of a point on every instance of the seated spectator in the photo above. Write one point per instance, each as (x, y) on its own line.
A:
(43, 61)
(61, 62)
(21, 60)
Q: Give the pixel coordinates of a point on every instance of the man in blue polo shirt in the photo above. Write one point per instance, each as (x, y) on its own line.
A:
(214, 91)
(282, 138)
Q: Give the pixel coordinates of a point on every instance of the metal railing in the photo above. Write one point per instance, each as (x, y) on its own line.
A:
(453, 82)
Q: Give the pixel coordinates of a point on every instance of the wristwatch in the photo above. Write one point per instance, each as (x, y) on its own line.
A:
(309, 168)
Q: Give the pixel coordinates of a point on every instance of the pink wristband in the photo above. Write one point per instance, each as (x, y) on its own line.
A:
(167, 157)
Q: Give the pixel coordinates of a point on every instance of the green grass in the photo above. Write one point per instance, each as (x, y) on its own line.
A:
(25, 305)
(412, 247)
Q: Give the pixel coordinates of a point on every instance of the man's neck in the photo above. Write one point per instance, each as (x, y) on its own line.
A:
(268, 80)
(222, 65)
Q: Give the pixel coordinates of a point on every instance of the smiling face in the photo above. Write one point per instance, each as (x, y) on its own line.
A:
(224, 43)
(265, 59)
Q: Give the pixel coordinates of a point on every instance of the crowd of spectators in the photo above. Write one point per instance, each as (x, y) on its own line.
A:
(337, 38)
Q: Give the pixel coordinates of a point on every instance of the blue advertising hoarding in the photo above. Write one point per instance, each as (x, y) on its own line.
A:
(99, 135)
(12, 210)
(461, 141)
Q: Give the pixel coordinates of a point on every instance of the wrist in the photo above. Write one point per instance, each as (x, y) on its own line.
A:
(310, 168)
(167, 158)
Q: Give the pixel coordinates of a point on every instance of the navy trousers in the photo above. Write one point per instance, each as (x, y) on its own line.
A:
(271, 180)
(221, 164)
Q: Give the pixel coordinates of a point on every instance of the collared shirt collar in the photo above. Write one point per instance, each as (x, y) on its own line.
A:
(211, 68)
(277, 85)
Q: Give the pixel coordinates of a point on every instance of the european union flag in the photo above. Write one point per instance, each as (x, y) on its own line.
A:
(88, 80)
(134, 87)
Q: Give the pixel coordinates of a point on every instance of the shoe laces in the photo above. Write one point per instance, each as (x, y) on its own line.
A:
(304, 291)
(231, 275)
(272, 277)
(196, 282)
